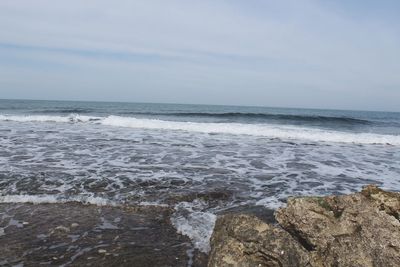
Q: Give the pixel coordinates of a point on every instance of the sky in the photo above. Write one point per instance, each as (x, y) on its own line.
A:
(342, 54)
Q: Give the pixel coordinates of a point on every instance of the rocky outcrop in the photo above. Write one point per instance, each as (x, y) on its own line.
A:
(361, 229)
(245, 240)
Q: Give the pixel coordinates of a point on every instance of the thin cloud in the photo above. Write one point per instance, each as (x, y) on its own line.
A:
(258, 52)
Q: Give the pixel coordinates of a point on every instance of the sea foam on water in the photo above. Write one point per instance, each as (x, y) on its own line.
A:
(264, 130)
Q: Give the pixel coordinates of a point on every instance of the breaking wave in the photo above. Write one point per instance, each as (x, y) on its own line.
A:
(49, 118)
(64, 110)
(261, 130)
(266, 116)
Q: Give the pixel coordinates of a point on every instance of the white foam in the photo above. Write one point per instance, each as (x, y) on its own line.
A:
(263, 130)
(152, 204)
(272, 131)
(54, 199)
(45, 118)
(195, 224)
(271, 202)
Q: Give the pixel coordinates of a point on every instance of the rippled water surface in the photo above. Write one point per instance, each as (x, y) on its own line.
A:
(201, 160)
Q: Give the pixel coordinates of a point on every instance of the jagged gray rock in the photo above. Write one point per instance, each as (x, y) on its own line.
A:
(245, 240)
(361, 229)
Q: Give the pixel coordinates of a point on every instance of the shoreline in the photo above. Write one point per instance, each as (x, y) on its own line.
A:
(72, 234)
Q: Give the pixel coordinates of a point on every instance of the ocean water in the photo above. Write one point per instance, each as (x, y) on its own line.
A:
(200, 160)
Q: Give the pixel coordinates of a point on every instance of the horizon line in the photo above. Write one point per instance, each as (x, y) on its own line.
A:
(195, 104)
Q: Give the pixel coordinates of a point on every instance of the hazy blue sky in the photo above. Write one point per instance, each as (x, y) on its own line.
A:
(323, 54)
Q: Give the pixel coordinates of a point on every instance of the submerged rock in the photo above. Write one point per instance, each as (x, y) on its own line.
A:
(73, 234)
(361, 229)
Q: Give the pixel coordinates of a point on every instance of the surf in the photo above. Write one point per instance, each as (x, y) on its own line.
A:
(289, 132)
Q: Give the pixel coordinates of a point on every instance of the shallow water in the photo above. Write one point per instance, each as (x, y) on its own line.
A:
(73, 234)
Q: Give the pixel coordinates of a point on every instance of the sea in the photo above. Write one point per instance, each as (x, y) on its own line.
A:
(200, 160)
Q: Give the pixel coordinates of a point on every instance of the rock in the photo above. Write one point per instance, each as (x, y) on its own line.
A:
(62, 229)
(266, 215)
(245, 240)
(59, 231)
(361, 229)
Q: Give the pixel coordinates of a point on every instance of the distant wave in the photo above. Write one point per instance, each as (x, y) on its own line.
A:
(266, 116)
(65, 111)
(264, 130)
(49, 118)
